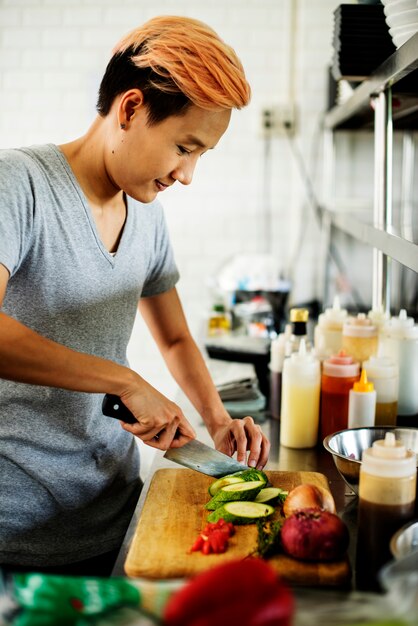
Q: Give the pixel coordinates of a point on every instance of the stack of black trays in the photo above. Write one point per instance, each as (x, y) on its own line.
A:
(361, 41)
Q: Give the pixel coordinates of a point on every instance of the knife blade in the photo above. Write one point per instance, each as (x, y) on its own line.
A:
(195, 455)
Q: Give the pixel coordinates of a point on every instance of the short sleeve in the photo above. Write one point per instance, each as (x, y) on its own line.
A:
(16, 209)
(163, 273)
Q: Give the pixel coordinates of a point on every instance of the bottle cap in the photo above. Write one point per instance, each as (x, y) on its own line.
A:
(401, 327)
(299, 315)
(381, 367)
(333, 318)
(278, 352)
(359, 326)
(302, 363)
(388, 457)
(378, 316)
(363, 385)
(341, 365)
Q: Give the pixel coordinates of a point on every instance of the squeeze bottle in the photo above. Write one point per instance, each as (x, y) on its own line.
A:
(362, 403)
(400, 342)
(330, 328)
(279, 349)
(383, 373)
(339, 373)
(359, 337)
(301, 381)
(387, 492)
(378, 317)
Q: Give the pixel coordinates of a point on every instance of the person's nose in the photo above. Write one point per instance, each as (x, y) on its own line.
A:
(184, 172)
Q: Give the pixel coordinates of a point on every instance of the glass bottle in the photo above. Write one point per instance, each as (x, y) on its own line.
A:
(299, 323)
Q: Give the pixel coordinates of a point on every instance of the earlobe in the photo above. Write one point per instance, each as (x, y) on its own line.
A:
(130, 102)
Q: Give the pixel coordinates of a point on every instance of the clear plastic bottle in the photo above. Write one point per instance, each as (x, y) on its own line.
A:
(360, 337)
(328, 333)
(383, 373)
(279, 349)
(362, 403)
(387, 492)
(400, 342)
(339, 373)
(301, 382)
(378, 317)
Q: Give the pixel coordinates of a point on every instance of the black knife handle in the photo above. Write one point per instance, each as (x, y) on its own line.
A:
(113, 406)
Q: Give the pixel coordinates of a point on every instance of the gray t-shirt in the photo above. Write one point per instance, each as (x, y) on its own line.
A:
(69, 476)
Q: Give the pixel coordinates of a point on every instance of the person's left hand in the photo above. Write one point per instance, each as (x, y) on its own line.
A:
(241, 435)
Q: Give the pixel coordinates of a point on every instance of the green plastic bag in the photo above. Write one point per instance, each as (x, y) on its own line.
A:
(48, 600)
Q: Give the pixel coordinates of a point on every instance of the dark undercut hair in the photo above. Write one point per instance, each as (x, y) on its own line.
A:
(161, 96)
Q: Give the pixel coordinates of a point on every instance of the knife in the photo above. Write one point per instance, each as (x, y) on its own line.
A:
(194, 454)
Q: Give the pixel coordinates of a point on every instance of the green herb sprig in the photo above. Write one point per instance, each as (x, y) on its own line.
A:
(268, 538)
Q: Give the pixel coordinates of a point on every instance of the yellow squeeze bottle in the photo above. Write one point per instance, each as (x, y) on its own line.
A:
(301, 383)
(362, 403)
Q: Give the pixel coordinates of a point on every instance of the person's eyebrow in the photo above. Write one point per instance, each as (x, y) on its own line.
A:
(195, 141)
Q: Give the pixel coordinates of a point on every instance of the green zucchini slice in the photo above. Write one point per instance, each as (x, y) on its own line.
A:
(222, 482)
(241, 512)
(235, 491)
(250, 474)
(274, 495)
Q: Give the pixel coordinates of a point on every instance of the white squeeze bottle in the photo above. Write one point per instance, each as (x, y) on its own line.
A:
(301, 384)
(362, 403)
(400, 343)
(328, 332)
(279, 349)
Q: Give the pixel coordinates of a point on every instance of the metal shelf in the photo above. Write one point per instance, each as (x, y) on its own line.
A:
(399, 72)
(396, 247)
(386, 101)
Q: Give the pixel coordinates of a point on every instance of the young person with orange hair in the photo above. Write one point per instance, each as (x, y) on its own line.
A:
(83, 243)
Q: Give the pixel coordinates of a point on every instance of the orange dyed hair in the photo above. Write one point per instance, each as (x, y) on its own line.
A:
(186, 56)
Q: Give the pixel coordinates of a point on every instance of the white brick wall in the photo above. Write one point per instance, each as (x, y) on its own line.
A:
(52, 56)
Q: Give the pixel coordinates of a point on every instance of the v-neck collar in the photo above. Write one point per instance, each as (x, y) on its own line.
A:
(110, 257)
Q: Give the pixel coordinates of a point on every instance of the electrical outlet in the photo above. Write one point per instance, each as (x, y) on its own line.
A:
(278, 120)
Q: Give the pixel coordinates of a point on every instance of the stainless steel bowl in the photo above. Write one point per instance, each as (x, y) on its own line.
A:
(405, 540)
(346, 447)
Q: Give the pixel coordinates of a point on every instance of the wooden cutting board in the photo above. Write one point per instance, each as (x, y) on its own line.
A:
(174, 514)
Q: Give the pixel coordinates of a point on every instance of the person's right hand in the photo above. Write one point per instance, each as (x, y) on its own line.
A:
(160, 422)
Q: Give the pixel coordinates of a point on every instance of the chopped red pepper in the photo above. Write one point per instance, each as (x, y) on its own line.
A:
(214, 538)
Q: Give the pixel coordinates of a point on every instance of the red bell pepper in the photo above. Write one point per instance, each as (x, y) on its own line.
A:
(245, 592)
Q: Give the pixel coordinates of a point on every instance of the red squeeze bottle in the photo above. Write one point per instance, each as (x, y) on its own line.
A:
(339, 373)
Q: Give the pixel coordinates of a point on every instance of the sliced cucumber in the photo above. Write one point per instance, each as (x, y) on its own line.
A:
(271, 494)
(241, 512)
(250, 474)
(235, 491)
(222, 482)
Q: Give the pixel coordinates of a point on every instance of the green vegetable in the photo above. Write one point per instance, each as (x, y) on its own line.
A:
(222, 482)
(241, 512)
(274, 495)
(249, 475)
(236, 491)
(268, 538)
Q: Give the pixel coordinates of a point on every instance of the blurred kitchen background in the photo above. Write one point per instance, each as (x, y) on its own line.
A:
(249, 221)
